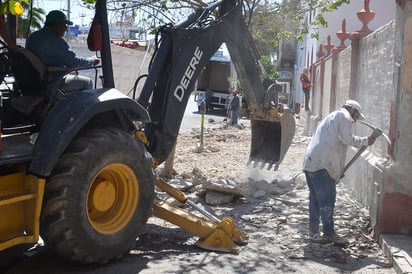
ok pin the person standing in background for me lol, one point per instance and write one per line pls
(234, 107)
(306, 85)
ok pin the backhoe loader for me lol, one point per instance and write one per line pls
(79, 169)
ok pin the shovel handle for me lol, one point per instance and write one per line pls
(356, 156)
(375, 134)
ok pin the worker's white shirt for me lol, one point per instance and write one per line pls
(327, 149)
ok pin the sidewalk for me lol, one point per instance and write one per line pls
(398, 248)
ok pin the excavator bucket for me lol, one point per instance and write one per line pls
(271, 140)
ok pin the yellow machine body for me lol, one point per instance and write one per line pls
(20, 205)
(214, 234)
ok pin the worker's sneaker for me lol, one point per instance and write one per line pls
(316, 238)
(314, 235)
(334, 238)
(313, 230)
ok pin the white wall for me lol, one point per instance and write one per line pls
(128, 65)
(385, 11)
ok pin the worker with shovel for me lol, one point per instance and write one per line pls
(323, 165)
(234, 108)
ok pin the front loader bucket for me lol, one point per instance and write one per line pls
(271, 140)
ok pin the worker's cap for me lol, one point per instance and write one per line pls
(57, 17)
(355, 105)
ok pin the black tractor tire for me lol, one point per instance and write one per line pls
(99, 197)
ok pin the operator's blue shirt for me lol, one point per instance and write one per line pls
(53, 50)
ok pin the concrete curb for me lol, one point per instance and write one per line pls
(398, 248)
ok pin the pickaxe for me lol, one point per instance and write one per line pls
(383, 134)
(375, 134)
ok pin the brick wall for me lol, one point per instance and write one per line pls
(377, 80)
(343, 77)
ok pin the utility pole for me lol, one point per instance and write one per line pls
(68, 10)
(68, 18)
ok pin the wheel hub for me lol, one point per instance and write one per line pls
(104, 196)
(112, 198)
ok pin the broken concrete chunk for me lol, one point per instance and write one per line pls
(198, 177)
(259, 194)
(222, 185)
(247, 217)
(181, 184)
(218, 198)
(285, 185)
(282, 219)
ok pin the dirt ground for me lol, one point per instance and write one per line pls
(273, 214)
(226, 152)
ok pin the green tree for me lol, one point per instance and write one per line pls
(269, 20)
(269, 23)
(271, 71)
(33, 16)
(319, 8)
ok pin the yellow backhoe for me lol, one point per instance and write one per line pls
(78, 169)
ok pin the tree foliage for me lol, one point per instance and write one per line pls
(322, 7)
(14, 7)
(269, 21)
(271, 71)
(32, 16)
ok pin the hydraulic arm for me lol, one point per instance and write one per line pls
(182, 52)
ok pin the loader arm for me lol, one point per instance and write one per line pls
(214, 234)
(182, 52)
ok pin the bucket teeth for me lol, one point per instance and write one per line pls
(271, 139)
(256, 163)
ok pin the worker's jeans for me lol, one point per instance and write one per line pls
(306, 91)
(322, 197)
(234, 118)
(73, 83)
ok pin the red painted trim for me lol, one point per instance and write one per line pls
(395, 215)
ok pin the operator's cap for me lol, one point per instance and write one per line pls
(355, 105)
(57, 17)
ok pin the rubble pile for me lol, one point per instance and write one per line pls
(276, 213)
(272, 207)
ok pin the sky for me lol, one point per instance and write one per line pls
(79, 16)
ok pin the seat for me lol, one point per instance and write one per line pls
(32, 86)
(29, 72)
(30, 81)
